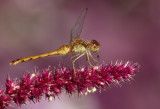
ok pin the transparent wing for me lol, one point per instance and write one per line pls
(77, 29)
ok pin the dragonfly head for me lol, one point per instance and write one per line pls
(94, 45)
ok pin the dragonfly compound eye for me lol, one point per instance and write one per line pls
(94, 45)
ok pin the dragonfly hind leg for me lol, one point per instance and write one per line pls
(75, 56)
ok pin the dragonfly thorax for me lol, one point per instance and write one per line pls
(79, 48)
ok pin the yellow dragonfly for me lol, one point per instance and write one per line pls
(76, 44)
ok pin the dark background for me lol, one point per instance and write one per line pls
(126, 30)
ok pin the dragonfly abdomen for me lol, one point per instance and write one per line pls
(63, 50)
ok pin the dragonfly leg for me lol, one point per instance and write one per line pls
(75, 56)
(92, 57)
(89, 60)
(80, 55)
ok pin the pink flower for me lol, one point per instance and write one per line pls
(51, 83)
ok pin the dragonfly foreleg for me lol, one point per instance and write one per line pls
(92, 57)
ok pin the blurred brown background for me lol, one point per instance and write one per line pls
(126, 30)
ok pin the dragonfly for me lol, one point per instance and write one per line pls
(76, 45)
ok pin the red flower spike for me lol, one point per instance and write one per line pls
(87, 80)
(5, 99)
